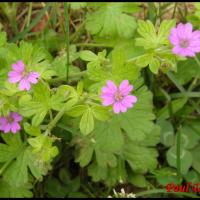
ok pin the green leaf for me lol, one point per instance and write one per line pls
(88, 55)
(85, 154)
(166, 175)
(130, 7)
(10, 191)
(101, 113)
(189, 139)
(186, 159)
(108, 136)
(153, 138)
(54, 188)
(17, 173)
(138, 180)
(11, 149)
(138, 163)
(122, 70)
(137, 121)
(176, 105)
(59, 63)
(150, 38)
(164, 30)
(96, 73)
(196, 158)
(147, 31)
(144, 60)
(110, 21)
(104, 158)
(65, 96)
(80, 87)
(31, 130)
(38, 106)
(186, 70)
(42, 144)
(192, 176)
(118, 58)
(167, 132)
(77, 111)
(87, 122)
(154, 65)
(97, 173)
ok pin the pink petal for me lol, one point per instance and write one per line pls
(129, 100)
(188, 29)
(183, 51)
(107, 90)
(24, 84)
(123, 108)
(173, 37)
(116, 107)
(125, 88)
(196, 34)
(16, 116)
(3, 120)
(14, 77)
(195, 47)
(6, 128)
(15, 127)
(184, 30)
(111, 86)
(18, 67)
(33, 77)
(108, 101)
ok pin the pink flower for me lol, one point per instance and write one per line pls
(19, 74)
(185, 41)
(118, 97)
(10, 123)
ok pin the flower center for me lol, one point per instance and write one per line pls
(184, 43)
(24, 74)
(10, 119)
(118, 96)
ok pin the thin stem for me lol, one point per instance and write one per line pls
(29, 14)
(176, 83)
(51, 115)
(193, 84)
(151, 11)
(174, 11)
(35, 21)
(188, 94)
(53, 123)
(59, 115)
(77, 32)
(133, 59)
(178, 154)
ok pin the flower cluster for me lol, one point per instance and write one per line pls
(10, 123)
(119, 97)
(185, 41)
(19, 74)
(122, 194)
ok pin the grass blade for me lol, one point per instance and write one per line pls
(34, 22)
